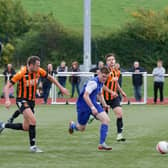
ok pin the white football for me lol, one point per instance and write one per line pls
(162, 147)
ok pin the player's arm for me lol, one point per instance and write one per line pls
(102, 101)
(62, 89)
(105, 88)
(91, 86)
(89, 103)
(121, 91)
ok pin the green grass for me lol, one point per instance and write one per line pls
(106, 15)
(144, 127)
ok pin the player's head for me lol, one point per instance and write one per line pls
(33, 63)
(110, 60)
(103, 74)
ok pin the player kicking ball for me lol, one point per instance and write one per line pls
(87, 105)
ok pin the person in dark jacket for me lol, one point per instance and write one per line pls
(96, 69)
(137, 80)
(62, 79)
(75, 79)
(8, 74)
(47, 83)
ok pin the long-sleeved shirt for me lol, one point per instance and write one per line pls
(158, 74)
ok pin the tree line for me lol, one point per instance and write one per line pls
(144, 39)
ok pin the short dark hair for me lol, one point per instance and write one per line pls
(160, 61)
(104, 70)
(32, 60)
(109, 55)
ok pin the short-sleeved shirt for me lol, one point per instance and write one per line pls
(27, 83)
(93, 87)
(111, 83)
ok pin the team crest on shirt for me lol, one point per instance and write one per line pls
(31, 82)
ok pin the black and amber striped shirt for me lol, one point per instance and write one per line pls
(111, 83)
(27, 83)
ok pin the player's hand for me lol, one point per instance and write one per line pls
(114, 94)
(7, 103)
(94, 111)
(65, 91)
(106, 108)
(115, 79)
(124, 94)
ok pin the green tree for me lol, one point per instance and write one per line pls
(14, 18)
(7, 54)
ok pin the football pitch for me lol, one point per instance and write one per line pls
(145, 125)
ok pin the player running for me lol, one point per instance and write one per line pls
(87, 105)
(114, 100)
(26, 80)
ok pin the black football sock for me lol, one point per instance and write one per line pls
(32, 135)
(15, 114)
(119, 125)
(16, 126)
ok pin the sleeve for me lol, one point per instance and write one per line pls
(91, 86)
(43, 73)
(17, 77)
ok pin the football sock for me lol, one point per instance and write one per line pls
(15, 114)
(107, 110)
(119, 125)
(32, 134)
(16, 126)
(103, 133)
(73, 126)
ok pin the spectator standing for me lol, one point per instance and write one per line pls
(8, 74)
(137, 80)
(47, 83)
(158, 74)
(75, 79)
(62, 79)
(96, 69)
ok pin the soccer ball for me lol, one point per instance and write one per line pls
(162, 147)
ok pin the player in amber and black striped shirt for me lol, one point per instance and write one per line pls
(113, 99)
(26, 80)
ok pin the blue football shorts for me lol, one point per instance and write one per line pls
(83, 113)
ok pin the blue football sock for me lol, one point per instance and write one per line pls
(73, 126)
(103, 133)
